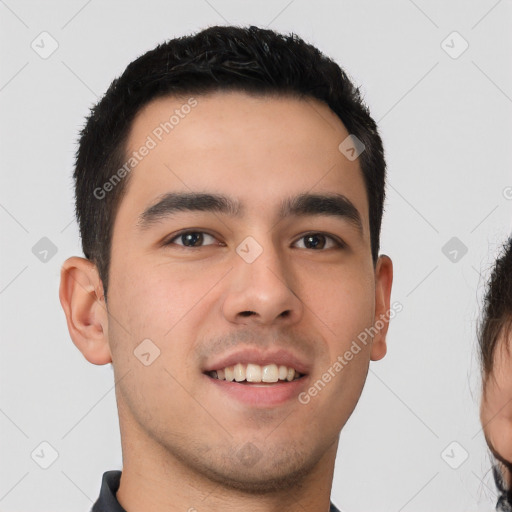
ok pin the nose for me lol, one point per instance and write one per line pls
(261, 292)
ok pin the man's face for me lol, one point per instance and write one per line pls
(294, 290)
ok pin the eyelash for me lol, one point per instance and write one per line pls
(339, 244)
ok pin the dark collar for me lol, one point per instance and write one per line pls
(107, 501)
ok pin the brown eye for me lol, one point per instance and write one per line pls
(318, 241)
(190, 239)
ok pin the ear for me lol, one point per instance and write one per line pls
(83, 301)
(383, 282)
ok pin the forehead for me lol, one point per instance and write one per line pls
(257, 149)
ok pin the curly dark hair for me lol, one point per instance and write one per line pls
(504, 503)
(247, 59)
(497, 310)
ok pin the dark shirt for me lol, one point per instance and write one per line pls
(107, 501)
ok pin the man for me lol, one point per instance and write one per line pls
(229, 192)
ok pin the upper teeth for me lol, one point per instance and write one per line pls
(255, 373)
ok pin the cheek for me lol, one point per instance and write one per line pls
(343, 302)
(154, 299)
(155, 304)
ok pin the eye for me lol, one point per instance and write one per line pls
(193, 239)
(190, 239)
(320, 241)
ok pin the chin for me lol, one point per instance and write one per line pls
(251, 471)
(261, 478)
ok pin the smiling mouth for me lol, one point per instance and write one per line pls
(256, 374)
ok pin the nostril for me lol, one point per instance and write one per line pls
(247, 313)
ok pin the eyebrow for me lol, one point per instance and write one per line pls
(334, 205)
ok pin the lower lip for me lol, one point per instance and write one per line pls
(266, 395)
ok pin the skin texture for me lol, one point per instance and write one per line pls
(496, 406)
(181, 437)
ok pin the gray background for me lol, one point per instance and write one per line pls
(446, 126)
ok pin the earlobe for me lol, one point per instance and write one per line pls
(82, 299)
(383, 283)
